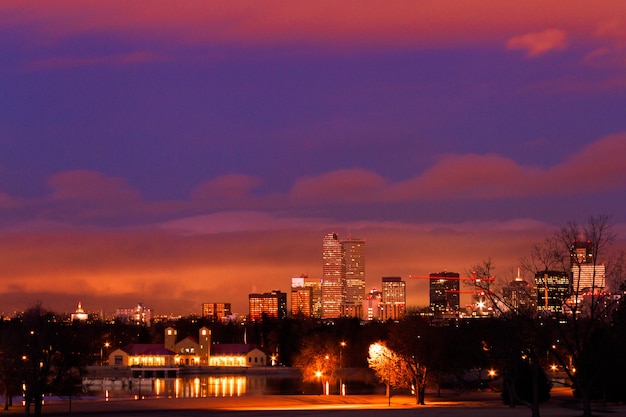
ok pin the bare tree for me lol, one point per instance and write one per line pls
(579, 328)
(391, 368)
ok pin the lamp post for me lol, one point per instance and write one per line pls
(492, 374)
(341, 389)
(106, 345)
(318, 374)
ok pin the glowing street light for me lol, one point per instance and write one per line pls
(106, 345)
(342, 390)
(492, 374)
(318, 374)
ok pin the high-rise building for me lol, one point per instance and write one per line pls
(270, 304)
(393, 301)
(588, 278)
(301, 298)
(444, 293)
(354, 253)
(519, 295)
(216, 311)
(333, 276)
(371, 305)
(315, 284)
(553, 289)
(581, 252)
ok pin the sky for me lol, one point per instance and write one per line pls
(180, 153)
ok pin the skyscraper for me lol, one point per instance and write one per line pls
(315, 284)
(444, 293)
(371, 305)
(553, 288)
(333, 276)
(587, 276)
(270, 304)
(301, 298)
(354, 253)
(519, 295)
(393, 298)
(216, 311)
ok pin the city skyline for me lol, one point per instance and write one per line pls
(178, 155)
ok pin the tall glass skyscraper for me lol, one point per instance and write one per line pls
(354, 252)
(333, 276)
(393, 298)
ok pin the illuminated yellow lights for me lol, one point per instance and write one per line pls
(492, 373)
(227, 361)
(553, 367)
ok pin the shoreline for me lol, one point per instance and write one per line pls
(457, 404)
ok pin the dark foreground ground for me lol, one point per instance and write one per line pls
(479, 404)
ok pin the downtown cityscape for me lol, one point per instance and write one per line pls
(410, 201)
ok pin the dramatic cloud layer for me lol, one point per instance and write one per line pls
(183, 154)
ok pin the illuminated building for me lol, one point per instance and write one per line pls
(350, 309)
(142, 354)
(444, 293)
(393, 300)
(519, 295)
(301, 298)
(229, 354)
(354, 254)
(79, 314)
(371, 305)
(189, 351)
(315, 284)
(216, 311)
(333, 276)
(581, 253)
(553, 289)
(588, 278)
(136, 315)
(270, 304)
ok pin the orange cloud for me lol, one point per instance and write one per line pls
(539, 43)
(226, 187)
(90, 186)
(403, 22)
(338, 186)
(597, 167)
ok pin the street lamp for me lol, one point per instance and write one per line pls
(492, 374)
(342, 390)
(106, 345)
(318, 374)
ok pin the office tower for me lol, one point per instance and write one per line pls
(333, 276)
(371, 305)
(393, 305)
(519, 295)
(444, 293)
(216, 311)
(301, 298)
(587, 277)
(553, 289)
(581, 252)
(354, 253)
(135, 315)
(315, 284)
(270, 304)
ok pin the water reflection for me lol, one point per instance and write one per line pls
(201, 386)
